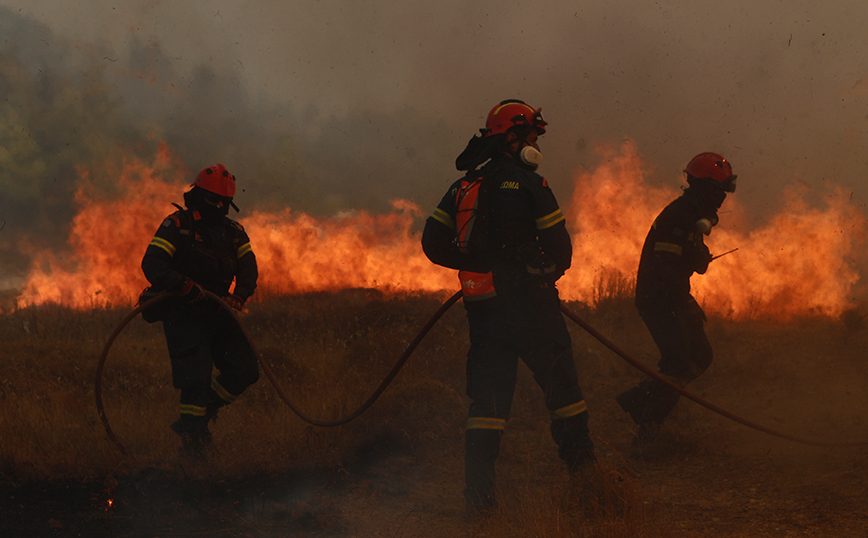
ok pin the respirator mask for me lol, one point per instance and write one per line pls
(531, 156)
(705, 225)
(212, 207)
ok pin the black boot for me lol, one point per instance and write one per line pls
(661, 401)
(195, 436)
(481, 449)
(634, 400)
(573, 438)
(214, 405)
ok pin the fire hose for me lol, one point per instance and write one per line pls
(265, 366)
(403, 359)
(711, 407)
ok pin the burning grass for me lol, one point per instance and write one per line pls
(806, 259)
(331, 350)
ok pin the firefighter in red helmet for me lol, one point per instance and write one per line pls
(501, 228)
(674, 250)
(196, 249)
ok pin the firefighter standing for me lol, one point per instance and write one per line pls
(195, 249)
(674, 249)
(501, 227)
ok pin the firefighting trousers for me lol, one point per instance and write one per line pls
(685, 353)
(529, 326)
(199, 339)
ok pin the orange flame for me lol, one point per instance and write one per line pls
(297, 253)
(107, 241)
(609, 214)
(801, 262)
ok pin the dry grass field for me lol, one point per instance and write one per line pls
(396, 471)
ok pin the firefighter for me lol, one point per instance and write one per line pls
(196, 249)
(501, 228)
(674, 250)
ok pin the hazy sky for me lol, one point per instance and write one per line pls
(367, 101)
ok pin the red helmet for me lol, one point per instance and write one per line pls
(713, 167)
(511, 113)
(216, 179)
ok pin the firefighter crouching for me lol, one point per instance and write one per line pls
(674, 249)
(501, 227)
(195, 249)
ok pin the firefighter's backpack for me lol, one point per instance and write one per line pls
(472, 202)
(472, 214)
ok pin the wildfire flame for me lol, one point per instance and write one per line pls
(297, 253)
(107, 240)
(801, 262)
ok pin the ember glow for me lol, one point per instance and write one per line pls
(800, 263)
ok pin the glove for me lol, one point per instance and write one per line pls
(234, 301)
(698, 257)
(191, 292)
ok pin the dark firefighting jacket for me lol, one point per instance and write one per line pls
(674, 249)
(211, 254)
(508, 232)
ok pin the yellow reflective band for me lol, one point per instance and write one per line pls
(159, 242)
(570, 411)
(486, 423)
(223, 393)
(667, 247)
(443, 217)
(190, 409)
(550, 220)
(244, 249)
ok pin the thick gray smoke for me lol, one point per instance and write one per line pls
(329, 106)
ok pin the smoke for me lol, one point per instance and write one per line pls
(72, 110)
(331, 106)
